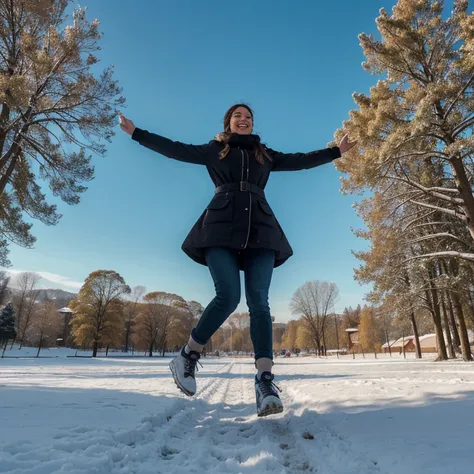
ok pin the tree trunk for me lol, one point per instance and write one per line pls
(95, 346)
(464, 187)
(388, 342)
(127, 335)
(465, 347)
(463, 335)
(39, 345)
(449, 339)
(452, 320)
(403, 345)
(437, 322)
(471, 308)
(5, 347)
(324, 344)
(150, 350)
(444, 268)
(317, 347)
(417, 337)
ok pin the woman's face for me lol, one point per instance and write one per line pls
(241, 121)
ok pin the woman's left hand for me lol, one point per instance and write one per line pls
(345, 144)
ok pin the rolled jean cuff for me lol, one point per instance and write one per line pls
(262, 354)
(197, 338)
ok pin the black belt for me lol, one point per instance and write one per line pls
(242, 186)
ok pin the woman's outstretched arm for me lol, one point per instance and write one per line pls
(196, 154)
(304, 161)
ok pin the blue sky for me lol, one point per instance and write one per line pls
(181, 65)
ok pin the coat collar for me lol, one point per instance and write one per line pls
(236, 140)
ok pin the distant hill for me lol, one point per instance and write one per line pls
(61, 297)
(56, 294)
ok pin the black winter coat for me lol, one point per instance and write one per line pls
(238, 215)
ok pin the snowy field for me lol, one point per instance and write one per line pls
(125, 416)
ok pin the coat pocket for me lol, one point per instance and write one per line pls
(218, 210)
(265, 208)
(265, 215)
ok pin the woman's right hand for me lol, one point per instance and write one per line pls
(126, 125)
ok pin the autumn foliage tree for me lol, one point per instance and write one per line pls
(55, 110)
(289, 338)
(98, 317)
(161, 317)
(367, 331)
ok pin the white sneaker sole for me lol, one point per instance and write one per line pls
(178, 383)
(272, 408)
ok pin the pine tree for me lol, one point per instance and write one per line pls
(49, 95)
(7, 324)
(415, 147)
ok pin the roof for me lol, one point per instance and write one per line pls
(402, 341)
(64, 310)
(385, 346)
(352, 330)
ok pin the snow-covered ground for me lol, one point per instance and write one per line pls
(118, 415)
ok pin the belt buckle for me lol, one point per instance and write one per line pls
(244, 186)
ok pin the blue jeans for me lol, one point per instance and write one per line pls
(223, 264)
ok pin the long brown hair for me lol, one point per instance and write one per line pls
(259, 151)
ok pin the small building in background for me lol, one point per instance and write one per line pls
(408, 342)
(429, 343)
(387, 347)
(352, 337)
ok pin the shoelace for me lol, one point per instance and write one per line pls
(190, 366)
(268, 387)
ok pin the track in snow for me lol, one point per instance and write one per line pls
(215, 432)
(218, 431)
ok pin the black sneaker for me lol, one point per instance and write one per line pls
(266, 393)
(183, 368)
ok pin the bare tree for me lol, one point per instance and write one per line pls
(45, 325)
(313, 301)
(24, 302)
(131, 311)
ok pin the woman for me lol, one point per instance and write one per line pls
(237, 231)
